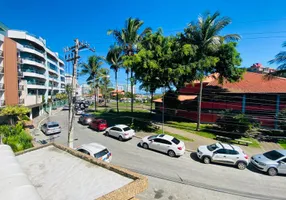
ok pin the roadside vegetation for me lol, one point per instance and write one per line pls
(282, 143)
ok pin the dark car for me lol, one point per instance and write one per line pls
(98, 125)
(85, 119)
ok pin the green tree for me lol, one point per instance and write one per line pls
(280, 60)
(128, 38)
(114, 59)
(105, 83)
(205, 34)
(15, 113)
(91, 68)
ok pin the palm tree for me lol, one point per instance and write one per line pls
(92, 69)
(280, 60)
(128, 38)
(114, 59)
(205, 34)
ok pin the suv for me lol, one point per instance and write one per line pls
(272, 162)
(223, 153)
(51, 128)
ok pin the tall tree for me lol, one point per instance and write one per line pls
(280, 60)
(91, 68)
(129, 38)
(114, 59)
(104, 83)
(205, 34)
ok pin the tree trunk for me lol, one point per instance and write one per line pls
(116, 92)
(152, 94)
(199, 106)
(95, 97)
(131, 85)
(127, 73)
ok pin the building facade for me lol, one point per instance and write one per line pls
(40, 71)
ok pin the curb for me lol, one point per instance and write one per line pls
(189, 150)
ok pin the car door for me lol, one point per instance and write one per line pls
(165, 145)
(282, 166)
(113, 131)
(231, 156)
(219, 156)
(156, 144)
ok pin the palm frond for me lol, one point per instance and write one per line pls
(231, 37)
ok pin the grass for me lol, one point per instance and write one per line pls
(254, 143)
(282, 143)
(180, 137)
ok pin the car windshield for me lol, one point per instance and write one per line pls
(127, 129)
(273, 155)
(212, 147)
(53, 125)
(101, 153)
(152, 137)
(175, 140)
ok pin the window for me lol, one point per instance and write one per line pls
(113, 128)
(232, 152)
(284, 160)
(158, 140)
(45, 125)
(175, 140)
(152, 137)
(212, 147)
(166, 142)
(221, 151)
(273, 155)
(162, 135)
(126, 129)
(84, 151)
(53, 125)
(101, 153)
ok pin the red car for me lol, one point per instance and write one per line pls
(98, 124)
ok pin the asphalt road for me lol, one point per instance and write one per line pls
(179, 178)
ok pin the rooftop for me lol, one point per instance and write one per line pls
(58, 172)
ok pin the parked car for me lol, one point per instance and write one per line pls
(50, 128)
(79, 112)
(66, 107)
(85, 119)
(164, 143)
(271, 162)
(121, 131)
(98, 124)
(96, 150)
(223, 153)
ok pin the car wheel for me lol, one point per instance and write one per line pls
(120, 138)
(107, 133)
(206, 160)
(145, 146)
(241, 165)
(171, 153)
(272, 171)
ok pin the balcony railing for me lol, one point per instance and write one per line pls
(31, 47)
(21, 101)
(33, 71)
(35, 59)
(1, 86)
(21, 87)
(35, 83)
(2, 103)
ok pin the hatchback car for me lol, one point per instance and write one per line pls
(271, 162)
(98, 125)
(223, 153)
(50, 128)
(96, 150)
(164, 143)
(85, 119)
(122, 132)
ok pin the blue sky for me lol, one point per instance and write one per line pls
(262, 24)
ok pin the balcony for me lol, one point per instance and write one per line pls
(33, 50)
(34, 63)
(1, 86)
(2, 103)
(21, 101)
(35, 60)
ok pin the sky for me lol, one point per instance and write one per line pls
(262, 24)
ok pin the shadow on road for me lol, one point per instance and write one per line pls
(194, 156)
(251, 168)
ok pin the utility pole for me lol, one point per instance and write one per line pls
(73, 57)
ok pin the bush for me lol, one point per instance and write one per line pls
(16, 137)
(236, 123)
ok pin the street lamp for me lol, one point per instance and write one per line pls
(163, 104)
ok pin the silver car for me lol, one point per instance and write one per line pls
(51, 128)
(271, 162)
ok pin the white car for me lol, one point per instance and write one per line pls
(223, 153)
(96, 150)
(121, 131)
(79, 112)
(164, 143)
(51, 128)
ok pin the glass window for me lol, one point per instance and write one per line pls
(101, 153)
(232, 152)
(221, 151)
(126, 129)
(273, 155)
(84, 151)
(166, 142)
(212, 147)
(53, 125)
(152, 137)
(113, 128)
(157, 140)
(175, 140)
(284, 160)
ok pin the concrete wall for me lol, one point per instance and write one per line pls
(10, 72)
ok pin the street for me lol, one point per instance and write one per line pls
(178, 178)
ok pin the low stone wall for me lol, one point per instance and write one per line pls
(127, 192)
